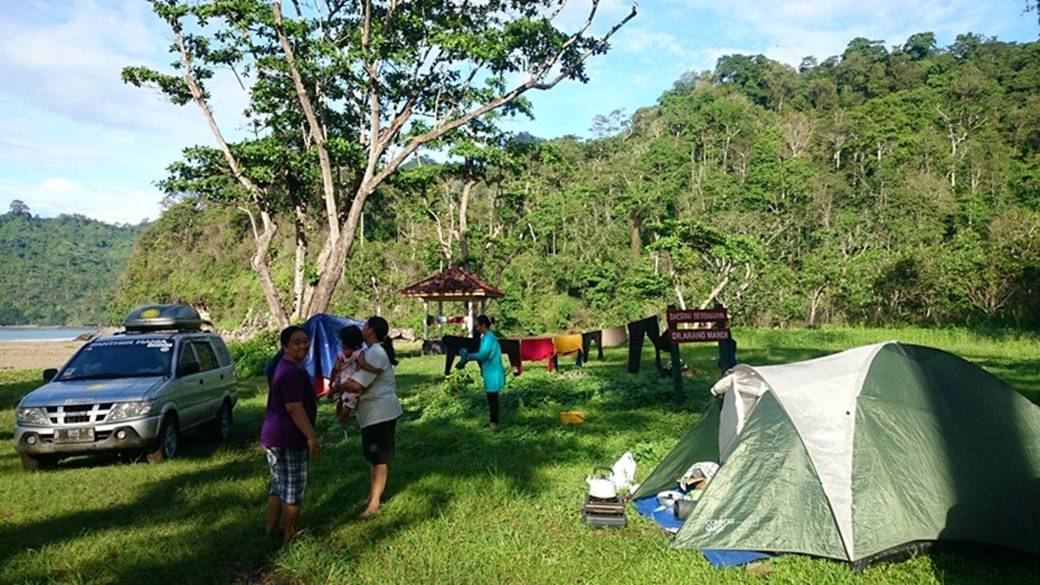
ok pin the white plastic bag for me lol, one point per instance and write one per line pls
(624, 472)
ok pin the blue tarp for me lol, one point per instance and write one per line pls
(733, 558)
(665, 518)
(323, 331)
(663, 515)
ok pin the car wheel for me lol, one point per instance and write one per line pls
(223, 422)
(169, 440)
(31, 463)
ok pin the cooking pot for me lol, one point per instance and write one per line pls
(601, 483)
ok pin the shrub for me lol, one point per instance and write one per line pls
(251, 355)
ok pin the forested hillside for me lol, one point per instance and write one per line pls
(59, 271)
(884, 185)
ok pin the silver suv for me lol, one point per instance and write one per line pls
(133, 392)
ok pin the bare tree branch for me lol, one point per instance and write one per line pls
(317, 132)
(263, 237)
(532, 83)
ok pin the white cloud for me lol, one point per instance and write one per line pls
(608, 13)
(73, 137)
(57, 195)
(645, 41)
(69, 63)
(787, 30)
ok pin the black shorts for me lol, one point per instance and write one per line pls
(377, 442)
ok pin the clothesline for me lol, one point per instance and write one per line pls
(550, 347)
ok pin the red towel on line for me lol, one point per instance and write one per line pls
(536, 349)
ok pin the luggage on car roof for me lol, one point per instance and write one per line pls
(163, 317)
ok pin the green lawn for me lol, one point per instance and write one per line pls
(466, 505)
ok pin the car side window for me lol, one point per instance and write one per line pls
(207, 359)
(187, 356)
(222, 353)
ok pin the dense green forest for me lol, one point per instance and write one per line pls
(62, 270)
(888, 184)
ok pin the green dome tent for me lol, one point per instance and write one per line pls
(852, 455)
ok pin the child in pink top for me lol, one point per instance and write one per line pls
(348, 362)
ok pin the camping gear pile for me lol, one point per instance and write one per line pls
(855, 456)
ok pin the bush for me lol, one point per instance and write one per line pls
(251, 355)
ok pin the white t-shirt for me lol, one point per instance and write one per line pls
(378, 403)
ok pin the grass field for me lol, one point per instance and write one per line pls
(466, 505)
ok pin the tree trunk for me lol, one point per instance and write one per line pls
(635, 237)
(814, 303)
(679, 297)
(263, 271)
(331, 269)
(717, 289)
(300, 261)
(467, 188)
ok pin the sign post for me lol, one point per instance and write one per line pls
(677, 336)
(676, 360)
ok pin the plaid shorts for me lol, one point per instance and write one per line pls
(288, 473)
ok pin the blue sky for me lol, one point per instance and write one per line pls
(74, 139)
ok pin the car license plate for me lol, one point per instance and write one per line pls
(84, 435)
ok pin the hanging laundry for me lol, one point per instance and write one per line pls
(452, 344)
(536, 349)
(615, 336)
(511, 347)
(651, 328)
(727, 354)
(569, 344)
(587, 340)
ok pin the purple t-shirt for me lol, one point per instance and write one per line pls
(289, 384)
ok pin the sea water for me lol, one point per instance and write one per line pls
(43, 333)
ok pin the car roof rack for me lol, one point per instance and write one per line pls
(174, 317)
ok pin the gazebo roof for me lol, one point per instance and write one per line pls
(454, 284)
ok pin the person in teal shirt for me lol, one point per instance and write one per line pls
(489, 356)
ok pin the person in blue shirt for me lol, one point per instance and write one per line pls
(489, 356)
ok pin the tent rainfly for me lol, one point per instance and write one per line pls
(855, 455)
(454, 284)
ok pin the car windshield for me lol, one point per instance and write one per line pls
(120, 358)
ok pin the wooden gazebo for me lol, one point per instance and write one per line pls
(453, 285)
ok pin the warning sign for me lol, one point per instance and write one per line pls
(695, 335)
(697, 315)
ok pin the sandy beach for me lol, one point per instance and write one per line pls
(35, 355)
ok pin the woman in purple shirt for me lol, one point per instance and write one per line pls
(288, 433)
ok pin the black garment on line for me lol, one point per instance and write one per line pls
(511, 347)
(651, 328)
(586, 342)
(493, 406)
(727, 354)
(452, 345)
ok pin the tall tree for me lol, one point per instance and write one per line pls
(365, 83)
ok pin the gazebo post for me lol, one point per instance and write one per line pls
(426, 321)
(440, 313)
(469, 319)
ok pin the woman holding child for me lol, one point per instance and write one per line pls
(377, 407)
